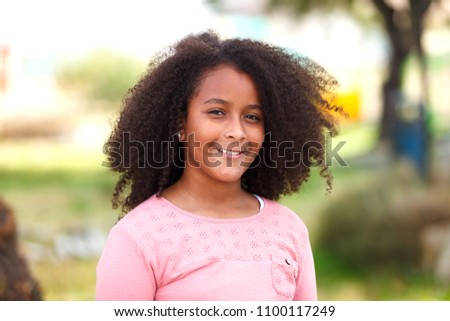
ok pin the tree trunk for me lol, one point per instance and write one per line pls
(408, 138)
(401, 42)
(391, 94)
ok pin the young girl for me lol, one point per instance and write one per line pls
(210, 137)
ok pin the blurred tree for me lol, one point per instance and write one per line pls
(403, 21)
(101, 75)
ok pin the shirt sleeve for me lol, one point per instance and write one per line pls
(306, 283)
(123, 272)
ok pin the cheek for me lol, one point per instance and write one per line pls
(258, 137)
(198, 133)
(256, 140)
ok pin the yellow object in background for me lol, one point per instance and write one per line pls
(350, 100)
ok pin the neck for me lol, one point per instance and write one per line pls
(210, 198)
(210, 191)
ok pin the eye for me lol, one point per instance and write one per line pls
(216, 112)
(253, 117)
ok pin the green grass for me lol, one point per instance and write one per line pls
(68, 280)
(55, 189)
(58, 199)
(338, 282)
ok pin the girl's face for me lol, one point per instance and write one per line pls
(224, 126)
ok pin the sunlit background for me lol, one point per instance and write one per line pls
(382, 234)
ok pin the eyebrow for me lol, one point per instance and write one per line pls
(224, 102)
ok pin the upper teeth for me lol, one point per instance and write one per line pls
(230, 152)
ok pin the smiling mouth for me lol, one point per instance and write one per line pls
(233, 151)
(230, 153)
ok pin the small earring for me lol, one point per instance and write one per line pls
(178, 135)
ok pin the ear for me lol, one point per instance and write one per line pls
(182, 132)
(181, 135)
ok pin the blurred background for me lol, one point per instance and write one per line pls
(383, 233)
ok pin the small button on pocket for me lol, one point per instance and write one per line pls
(284, 273)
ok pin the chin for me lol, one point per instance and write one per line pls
(228, 175)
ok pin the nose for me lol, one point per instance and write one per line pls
(235, 129)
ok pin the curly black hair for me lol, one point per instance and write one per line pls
(296, 98)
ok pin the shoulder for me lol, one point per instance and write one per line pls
(144, 226)
(286, 215)
(143, 216)
(281, 209)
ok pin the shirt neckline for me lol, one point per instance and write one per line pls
(213, 219)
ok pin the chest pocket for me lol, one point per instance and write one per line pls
(284, 274)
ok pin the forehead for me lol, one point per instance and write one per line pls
(226, 80)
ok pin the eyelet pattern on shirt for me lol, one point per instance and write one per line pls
(175, 240)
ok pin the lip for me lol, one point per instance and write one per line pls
(234, 151)
(218, 151)
(231, 153)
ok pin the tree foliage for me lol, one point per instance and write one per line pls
(100, 75)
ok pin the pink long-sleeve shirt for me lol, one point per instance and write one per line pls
(160, 252)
